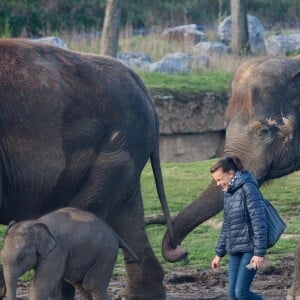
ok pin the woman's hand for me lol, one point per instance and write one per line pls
(215, 264)
(257, 261)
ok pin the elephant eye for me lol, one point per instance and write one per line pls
(264, 131)
(21, 258)
(269, 131)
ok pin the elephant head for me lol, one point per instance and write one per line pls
(263, 130)
(24, 242)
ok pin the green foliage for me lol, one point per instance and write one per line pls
(293, 53)
(170, 13)
(6, 33)
(27, 276)
(41, 17)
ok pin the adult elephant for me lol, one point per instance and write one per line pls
(263, 130)
(77, 130)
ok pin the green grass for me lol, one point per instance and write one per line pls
(183, 182)
(187, 82)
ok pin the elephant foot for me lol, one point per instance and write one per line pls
(145, 278)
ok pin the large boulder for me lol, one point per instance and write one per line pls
(135, 60)
(256, 33)
(211, 48)
(179, 62)
(283, 44)
(185, 33)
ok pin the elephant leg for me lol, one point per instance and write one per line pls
(45, 290)
(48, 280)
(97, 278)
(60, 291)
(294, 292)
(145, 277)
(112, 192)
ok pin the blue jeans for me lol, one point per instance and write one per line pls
(240, 278)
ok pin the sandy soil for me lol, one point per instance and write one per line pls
(184, 283)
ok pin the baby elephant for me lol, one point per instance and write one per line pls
(66, 244)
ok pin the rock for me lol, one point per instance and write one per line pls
(255, 29)
(52, 40)
(178, 63)
(189, 122)
(211, 48)
(135, 54)
(185, 33)
(283, 44)
(135, 60)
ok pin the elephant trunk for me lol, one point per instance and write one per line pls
(11, 287)
(208, 204)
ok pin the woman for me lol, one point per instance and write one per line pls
(244, 231)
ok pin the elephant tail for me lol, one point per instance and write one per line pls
(125, 247)
(156, 168)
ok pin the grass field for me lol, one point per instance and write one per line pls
(184, 181)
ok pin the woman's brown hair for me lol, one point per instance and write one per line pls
(227, 163)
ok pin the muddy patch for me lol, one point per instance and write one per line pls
(183, 283)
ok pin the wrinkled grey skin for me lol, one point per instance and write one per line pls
(77, 130)
(68, 244)
(263, 130)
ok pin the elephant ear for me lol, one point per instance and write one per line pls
(9, 226)
(43, 239)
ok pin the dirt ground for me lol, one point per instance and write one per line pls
(184, 283)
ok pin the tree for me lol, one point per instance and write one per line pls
(111, 27)
(240, 35)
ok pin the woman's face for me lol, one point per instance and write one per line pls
(223, 178)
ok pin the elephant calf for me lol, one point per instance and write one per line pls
(66, 244)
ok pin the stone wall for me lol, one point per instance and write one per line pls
(191, 125)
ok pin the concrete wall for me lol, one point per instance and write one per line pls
(192, 126)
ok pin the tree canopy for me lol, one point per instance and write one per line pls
(42, 17)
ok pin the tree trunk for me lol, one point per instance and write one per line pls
(240, 36)
(111, 28)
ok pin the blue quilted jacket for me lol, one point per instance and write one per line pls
(244, 228)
